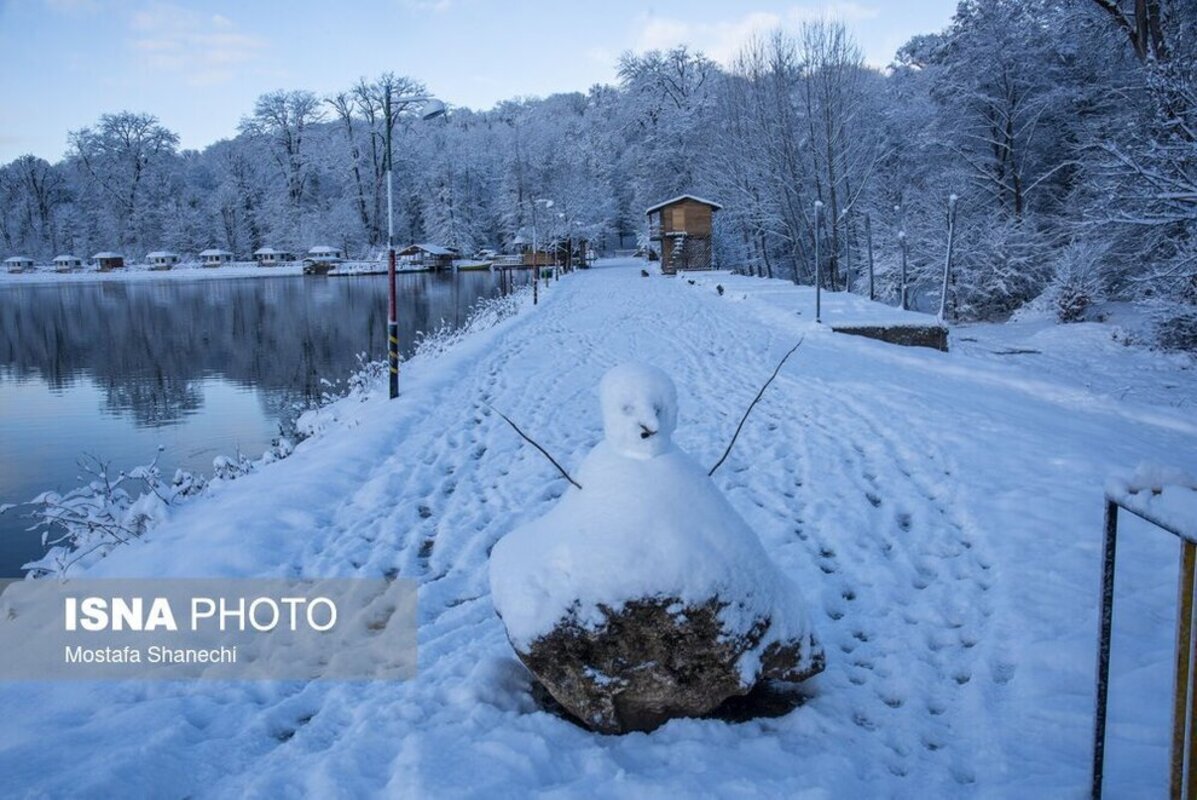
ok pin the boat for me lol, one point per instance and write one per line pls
(316, 267)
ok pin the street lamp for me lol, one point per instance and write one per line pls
(432, 108)
(535, 254)
(818, 266)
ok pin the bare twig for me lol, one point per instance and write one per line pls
(752, 405)
(533, 442)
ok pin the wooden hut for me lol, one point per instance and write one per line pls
(18, 263)
(215, 257)
(323, 252)
(682, 225)
(107, 260)
(67, 263)
(269, 257)
(162, 259)
(427, 256)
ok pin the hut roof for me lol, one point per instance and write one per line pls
(323, 249)
(430, 249)
(270, 251)
(679, 199)
(215, 251)
(17, 259)
(162, 254)
(107, 254)
(66, 257)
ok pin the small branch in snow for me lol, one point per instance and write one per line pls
(534, 443)
(752, 405)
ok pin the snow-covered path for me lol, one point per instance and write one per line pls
(941, 512)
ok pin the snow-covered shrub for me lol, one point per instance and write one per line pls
(486, 313)
(998, 268)
(228, 468)
(1077, 283)
(1176, 327)
(103, 513)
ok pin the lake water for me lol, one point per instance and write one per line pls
(203, 368)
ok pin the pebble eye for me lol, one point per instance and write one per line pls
(627, 409)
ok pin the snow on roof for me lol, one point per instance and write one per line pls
(17, 259)
(216, 251)
(270, 251)
(107, 254)
(322, 249)
(681, 197)
(162, 254)
(66, 258)
(431, 249)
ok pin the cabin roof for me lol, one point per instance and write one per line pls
(214, 251)
(323, 248)
(679, 199)
(67, 257)
(270, 251)
(162, 254)
(430, 249)
(107, 254)
(17, 259)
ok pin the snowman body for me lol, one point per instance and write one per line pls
(645, 583)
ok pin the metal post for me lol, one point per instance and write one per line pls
(1105, 623)
(947, 264)
(869, 238)
(535, 268)
(818, 267)
(392, 300)
(1182, 692)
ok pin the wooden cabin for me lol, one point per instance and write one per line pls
(107, 260)
(215, 257)
(682, 225)
(269, 257)
(427, 256)
(18, 263)
(162, 259)
(67, 263)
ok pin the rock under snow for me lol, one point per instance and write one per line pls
(643, 595)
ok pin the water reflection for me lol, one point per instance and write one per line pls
(203, 367)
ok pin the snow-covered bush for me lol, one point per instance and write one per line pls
(1077, 283)
(999, 268)
(486, 313)
(1176, 327)
(104, 513)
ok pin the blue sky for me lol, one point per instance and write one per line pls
(199, 65)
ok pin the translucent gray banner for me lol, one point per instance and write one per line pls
(219, 629)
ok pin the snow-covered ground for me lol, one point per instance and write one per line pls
(941, 513)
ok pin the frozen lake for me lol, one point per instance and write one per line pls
(203, 368)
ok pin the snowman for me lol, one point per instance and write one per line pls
(642, 595)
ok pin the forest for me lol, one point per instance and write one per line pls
(1058, 138)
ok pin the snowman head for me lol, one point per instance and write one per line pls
(639, 410)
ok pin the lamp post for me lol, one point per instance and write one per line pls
(535, 253)
(818, 266)
(432, 108)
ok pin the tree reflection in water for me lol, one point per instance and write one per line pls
(179, 360)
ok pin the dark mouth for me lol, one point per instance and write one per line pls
(645, 432)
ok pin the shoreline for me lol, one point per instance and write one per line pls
(134, 274)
